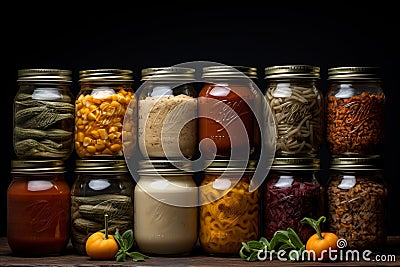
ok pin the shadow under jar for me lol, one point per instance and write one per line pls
(167, 109)
(296, 103)
(38, 208)
(357, 202)
(355, 112)
(101, 187)
(43, 114)
(229, 211)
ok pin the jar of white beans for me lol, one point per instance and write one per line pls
(296, 103)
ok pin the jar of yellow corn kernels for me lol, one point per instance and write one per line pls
(100, 107)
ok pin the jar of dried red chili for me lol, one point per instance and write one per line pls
(227, 105)
(38, 208)
(292, 191)
(355, 111)
(357, 201)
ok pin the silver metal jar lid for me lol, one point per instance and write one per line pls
(292, 71)
(106, 75)
(303, 163)
(356, 163)
(168, 74)
(44, 75)
(100, 166)
(215, 72)
(164, 166)
(354, 73)
(230, 166)
(37, 166)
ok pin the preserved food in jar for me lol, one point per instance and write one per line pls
(166, 210)
(167, 112)
(357, 202)
(227, 103)
(43, 114)
(292, 191)
(100, 108)
(38, 208)
(229, 212)
(355, 112)
(101, 187)
(297, 107)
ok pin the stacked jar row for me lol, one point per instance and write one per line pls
(169, 213)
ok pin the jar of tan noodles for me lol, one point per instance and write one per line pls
(297, 107)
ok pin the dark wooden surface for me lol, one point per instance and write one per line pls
(196, 259)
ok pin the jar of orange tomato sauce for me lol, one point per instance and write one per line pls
(38, 208)
(227, 105)
(229, 208)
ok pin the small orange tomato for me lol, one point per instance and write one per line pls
(319, 246)
(100, 247)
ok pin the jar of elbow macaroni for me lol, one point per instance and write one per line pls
(229, 208)
(100, 108)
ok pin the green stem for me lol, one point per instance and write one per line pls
(106, 226)
(315, 224)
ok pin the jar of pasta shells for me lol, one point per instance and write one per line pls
(292, 191)
(355, 112)
(101, 186)
(357, 202)
(229, 207)
(228, 104)
(167, 111)
(166, 208)
(296, 103)
(43, 114)
(100, 107)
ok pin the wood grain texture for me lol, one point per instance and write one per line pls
(197, 259)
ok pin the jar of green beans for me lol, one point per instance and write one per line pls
(296, 103)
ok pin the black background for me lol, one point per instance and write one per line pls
(71, 37)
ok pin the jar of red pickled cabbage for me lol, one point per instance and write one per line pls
(292, 191)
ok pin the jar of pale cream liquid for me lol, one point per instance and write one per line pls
(165, 208)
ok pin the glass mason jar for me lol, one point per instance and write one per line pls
(357, 202)
(100, 187)
(38, 208)
(227, 106)
(229, 211)
(297, 106)
(166, 212)
(167, 113)
(292, 191)
(355, 112)
(100, 107)
(43, 114)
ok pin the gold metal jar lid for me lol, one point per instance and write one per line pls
(354, 73)
(292, 72)
(164, 167)
(356, 163)
(44, 75)
(100, 166)
(37, 166)
(302, 163)
(168, 74)
(230, 166)
(215, 72)
(106, 75)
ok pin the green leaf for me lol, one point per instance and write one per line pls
(120, 256)
(127, 238)
(295, 238)
(286, 246)
(119, 239)
(264, 241)
(253, 256)
(241, 254)
(255, 245)
(137, 256)
(246, 247)
(280, 236)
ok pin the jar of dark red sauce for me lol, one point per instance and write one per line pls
(38, 208)
(226, 108)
